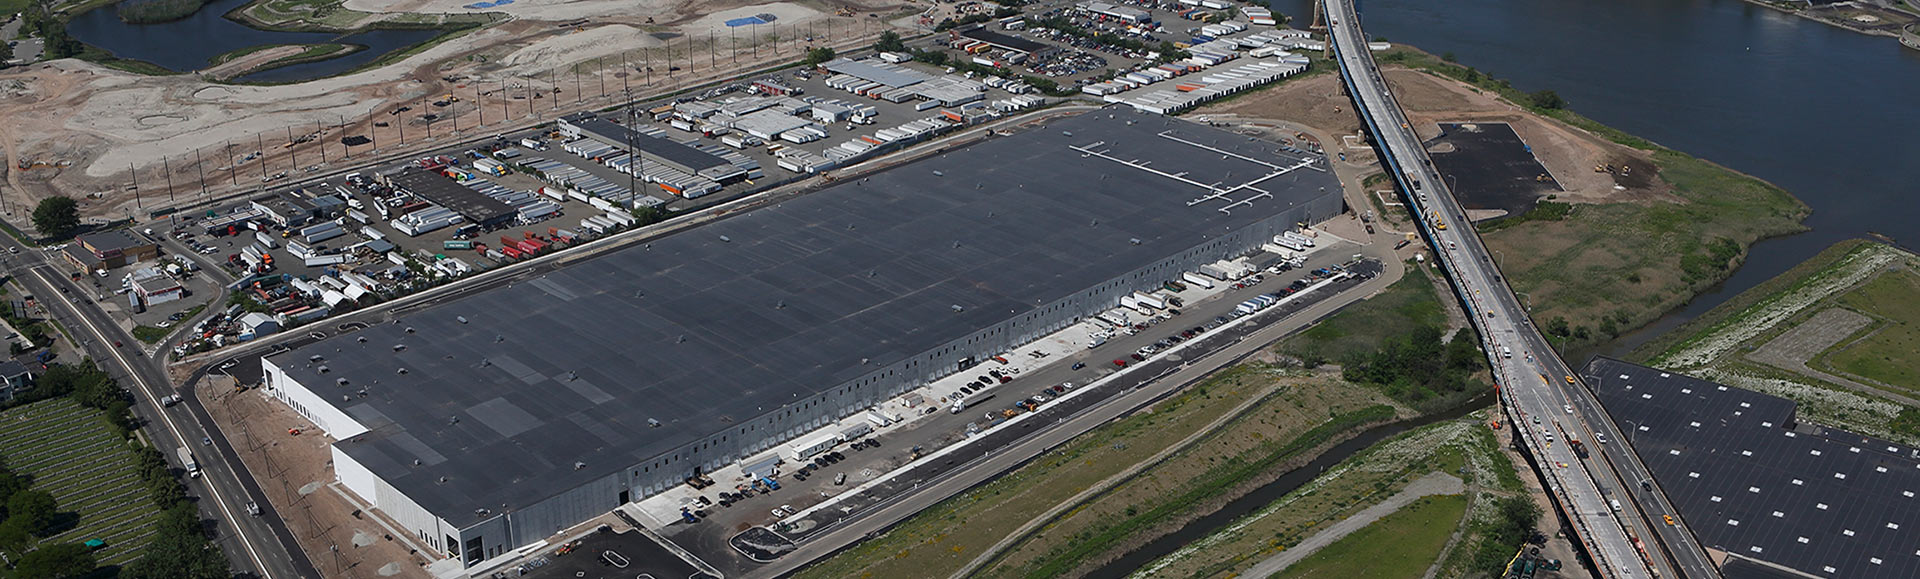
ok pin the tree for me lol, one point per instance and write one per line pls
(890, 42)
(179, 550)
(815, 56)
(56, 216)
(6, 53)
(33, 510)
(1547, 99)
(57, 560)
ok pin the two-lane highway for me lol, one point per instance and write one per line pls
(1549, 406)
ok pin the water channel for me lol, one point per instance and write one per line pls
(190, 44)
(1828, 114)
(1266, 494)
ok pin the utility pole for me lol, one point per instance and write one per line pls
(625, 73)
(600, 64)
(202, 169)
(373, 131)
(346, 150)
(167, 167)
(292, 157)
(232, 167)
(576, 84)
(134, 177)
(320, 134)
(260, 148)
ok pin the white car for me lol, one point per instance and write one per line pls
(1568, 408)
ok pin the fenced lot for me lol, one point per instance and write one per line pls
(73, 453)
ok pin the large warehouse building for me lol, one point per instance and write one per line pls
(496, 420)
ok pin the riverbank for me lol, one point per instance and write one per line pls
(1241, 410)
(1832, 334)
(262, 58)
(1451, 448)
(1860, 17)
(1618, 258)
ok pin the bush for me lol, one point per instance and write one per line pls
(1421, 369)
(156, 11)
(1547, 99)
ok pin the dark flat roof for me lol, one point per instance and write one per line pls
(1750, 481)
(440, 190)
(981, 33)
(704, 334)
(112, 239)
(660, 148)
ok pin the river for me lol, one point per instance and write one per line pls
(190, 44)
(1831, 115)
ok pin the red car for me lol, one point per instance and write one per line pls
(1120, 363)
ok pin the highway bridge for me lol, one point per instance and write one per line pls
(1615, 508)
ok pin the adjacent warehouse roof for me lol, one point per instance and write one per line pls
(674, 153)
(1751, 481)
(892, 75)
(439, 190)
(983, 34)
(505, 390)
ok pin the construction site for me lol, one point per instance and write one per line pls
(122, 142)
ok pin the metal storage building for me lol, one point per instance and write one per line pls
(492, 421)
(439, 190)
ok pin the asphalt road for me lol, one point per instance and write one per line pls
(1536, 383)
(258, 546)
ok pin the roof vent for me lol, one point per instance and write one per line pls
(402, 371)
(579, 465)
(399, 347)
(416, 462)
(1096, 223)
(362, 339)
(498, 339)
(323, 369)
(571, 376)
(315, 358)
(340, 381)
(939, 174)
(1064, 133)
(1135, 241)
(461, 319)
(452, 420)
(781, 305)
(725, 239)
(651, 423)
(363, 392)
(485, 363)
(957, 308)
(409, 329)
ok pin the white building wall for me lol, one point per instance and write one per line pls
(397, 506)
(335, 422)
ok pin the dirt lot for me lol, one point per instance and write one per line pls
(109, 125)
(296, 474)
(1569, 154)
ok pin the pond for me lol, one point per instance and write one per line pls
(190, 44)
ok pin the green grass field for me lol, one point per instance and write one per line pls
(73, 453)
(1399, 545)
(1405, 305)
(1890, 353)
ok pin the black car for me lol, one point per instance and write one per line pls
(966, 390)
(836, 456)
(1079, 365)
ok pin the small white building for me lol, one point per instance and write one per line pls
(154, 286)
